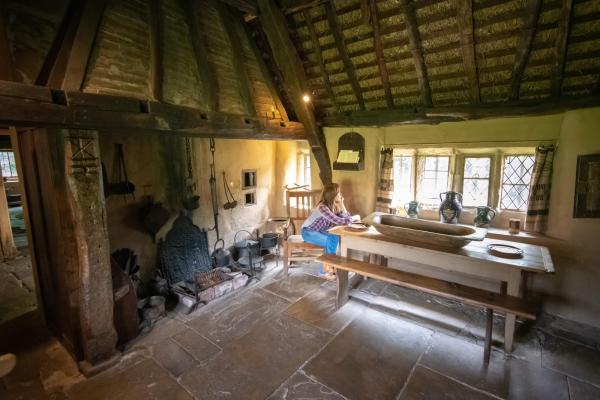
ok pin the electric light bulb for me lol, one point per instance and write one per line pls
(306, 98)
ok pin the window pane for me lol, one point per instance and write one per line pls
(8, 165)
(402, 179)
(475, 192)
(433, 179)
(477, 167)
(476, 182)
(516, 179)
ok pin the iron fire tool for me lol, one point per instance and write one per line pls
(213, 189)
(231, 202)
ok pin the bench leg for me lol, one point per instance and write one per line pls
(489, 325)
(286, 261)
(342, 288)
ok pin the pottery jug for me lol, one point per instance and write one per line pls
(412, 209)
(485, 215)
(451, 207)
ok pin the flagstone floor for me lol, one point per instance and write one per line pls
(281, 339)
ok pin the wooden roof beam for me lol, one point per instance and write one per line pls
(435, 115)
(530, 17)
(385, 80)
(33, 106)
(231, 23)
(343, 52)
(66, 63)
(560, 48)
(267, 75)
(156, 49)
(417, 51)
(274, 25)
(317, 47)
(207, 74)
(465, 23)
(7, 71)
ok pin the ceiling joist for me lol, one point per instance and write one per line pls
(385, 80)
(341, 47)
(322, 69)
(417, 51)
(530, 17)
(560, 48)
(7, 72)
(467, 42)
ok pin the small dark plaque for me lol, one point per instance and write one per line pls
(587, 187)
(351, 152)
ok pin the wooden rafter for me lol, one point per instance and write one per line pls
(266, 75)
(385, 80)
(318, 55)
(66, 64)
(560, 48)
(417, 51)
(530, 17)
(205, 70)
(156, 49)
(7, 72)
(231, 23)
(343, 52)
(290, 65)
(465, 23)
(32, 106)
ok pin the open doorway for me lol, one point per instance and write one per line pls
(17, 282)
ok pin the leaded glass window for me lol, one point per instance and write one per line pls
(516, 178)
(433, 179)
(9, 167)
(476, 181)
(402, 180)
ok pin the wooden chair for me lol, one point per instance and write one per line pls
(299, 205)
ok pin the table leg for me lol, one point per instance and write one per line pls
(513, 288)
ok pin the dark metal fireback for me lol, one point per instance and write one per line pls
(184, 251)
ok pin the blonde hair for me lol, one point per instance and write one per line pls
(328, 196)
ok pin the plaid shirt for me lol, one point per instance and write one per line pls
(322, 218)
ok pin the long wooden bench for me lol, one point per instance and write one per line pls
(490, 301)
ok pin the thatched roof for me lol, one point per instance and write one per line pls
(521, 50)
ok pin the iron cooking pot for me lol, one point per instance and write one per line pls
(243, 247)
(268, 240)
(220, 255)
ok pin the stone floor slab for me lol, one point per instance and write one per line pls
(295, 286)
(583, 391)
(425, 384)
(237, 316)
(318, 308)
(578, 361)
(255, 365)
(301, 387)
(173, 357)
(143, 381)
(200, 348)
(508, 378)
(432, 312)
(371, 358)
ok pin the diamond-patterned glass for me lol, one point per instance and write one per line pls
(516, 180)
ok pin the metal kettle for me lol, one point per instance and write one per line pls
(220, 256)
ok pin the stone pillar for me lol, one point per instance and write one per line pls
(90, 250)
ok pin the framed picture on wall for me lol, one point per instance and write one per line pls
(587, 187)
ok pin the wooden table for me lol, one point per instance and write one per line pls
(473, 260)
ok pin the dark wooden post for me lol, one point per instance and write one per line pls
(85, 202)
(288, 61)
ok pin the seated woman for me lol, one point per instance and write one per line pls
(329, 212)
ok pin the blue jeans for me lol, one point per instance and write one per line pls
(327, 240)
